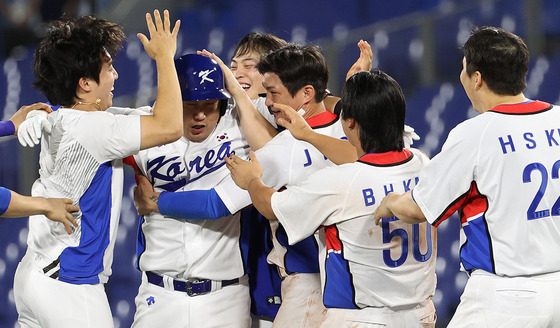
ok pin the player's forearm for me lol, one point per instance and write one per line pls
(256, 129)
(261, 196)
(25, 205)
(192, 205)
(166, 123)
(337, 150)
(404, 207)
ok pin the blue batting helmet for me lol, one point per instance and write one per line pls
(200, 78)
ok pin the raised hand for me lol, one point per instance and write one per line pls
(232, 85)
(364, 62)
(163, 40)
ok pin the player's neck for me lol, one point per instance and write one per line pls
(313, 109)
(492, 100)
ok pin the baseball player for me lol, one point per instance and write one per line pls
(370, 275)
(81, 160)
(193, 270)
(501, 174)
(288, 161)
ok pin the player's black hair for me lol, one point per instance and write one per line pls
(376, 102)
(501, 57)
(74, 48)
(262, 44)
(298, 66)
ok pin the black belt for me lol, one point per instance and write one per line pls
(193, 286)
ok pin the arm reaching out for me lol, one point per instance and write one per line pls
(256, 129)
(402, 206)
(337, 150)
(56, 209)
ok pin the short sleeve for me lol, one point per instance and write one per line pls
(108, 136)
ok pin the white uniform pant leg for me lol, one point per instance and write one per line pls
(423, 315)
(492, 301)
(44, 302)
(302, 302)
(261, 323)
(157, 306)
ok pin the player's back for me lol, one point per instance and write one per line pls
(519, 172)
(511, 207)
(361, 262)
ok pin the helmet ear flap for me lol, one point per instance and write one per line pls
(223, 105)
(200, 78)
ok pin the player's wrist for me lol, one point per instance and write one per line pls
(251, 181)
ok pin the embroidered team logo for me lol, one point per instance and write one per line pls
(150, 300)
(222, 137)
(203, 75)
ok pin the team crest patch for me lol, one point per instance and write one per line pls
(222, 137)
(150, 300)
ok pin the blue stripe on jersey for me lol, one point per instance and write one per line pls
(140, 243)
(301, 257)
(476, 252)
(5, 198)
(339, 292)
(82, 264)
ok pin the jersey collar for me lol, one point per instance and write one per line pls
(529, 107)
(320, 120)
(389, 158)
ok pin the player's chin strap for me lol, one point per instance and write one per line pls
(192, 286)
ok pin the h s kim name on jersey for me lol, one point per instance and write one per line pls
(528, 140)
(171, 173)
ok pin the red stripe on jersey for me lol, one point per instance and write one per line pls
(475, 203)
(331, 237)
(130, 161)
(390, 157)
(324, 118)
(522, 108)
(468, 205)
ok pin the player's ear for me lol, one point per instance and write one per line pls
(308, 93)
(351, 123)
(85, 83)
(478, 80)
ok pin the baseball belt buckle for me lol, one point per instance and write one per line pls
(197, 286)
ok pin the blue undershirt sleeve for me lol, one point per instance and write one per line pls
(5, 198)
(192, 205)
(7, 128)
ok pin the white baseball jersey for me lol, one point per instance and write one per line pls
(362, 264)
(500, 169)
(182, 248)
(287, 161)
(81, 160)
